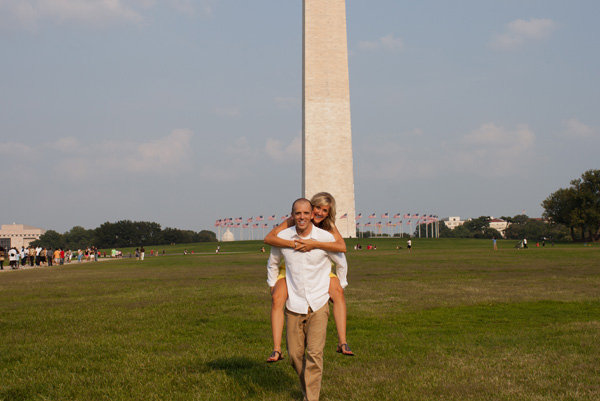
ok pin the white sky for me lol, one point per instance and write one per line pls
(183, 112)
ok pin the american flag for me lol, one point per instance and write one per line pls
(239, 220)
(259, 218)
(255, 225)
(407, 216)
(372, 216)
(265, 225)
(245, 225)
(359, 216)
(385, 215)
(344, 216)
(272, 217)
(217, 223)
(284, 217)
(397, 216)
(249, 220)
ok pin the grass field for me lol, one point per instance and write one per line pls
(452, 320)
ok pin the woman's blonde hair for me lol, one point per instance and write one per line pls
(325, 199)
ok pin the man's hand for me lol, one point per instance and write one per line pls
(304, 245)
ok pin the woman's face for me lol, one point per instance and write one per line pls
(320, 213)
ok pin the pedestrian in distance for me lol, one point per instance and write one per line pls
(2, 255)
(13, 257)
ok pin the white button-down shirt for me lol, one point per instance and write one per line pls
(307, 273)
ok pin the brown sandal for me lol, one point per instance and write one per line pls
(275, 357)
(344, 349)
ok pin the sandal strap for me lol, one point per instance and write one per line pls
(345, 349)
(273, 357)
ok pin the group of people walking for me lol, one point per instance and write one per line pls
(40, 256)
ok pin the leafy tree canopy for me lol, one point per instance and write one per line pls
(577, 207)
(124, 233)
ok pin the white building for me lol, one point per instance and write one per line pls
(227, 236)
(499, 225)
(453, 221)
(19, 234)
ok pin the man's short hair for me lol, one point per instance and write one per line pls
(301, 200)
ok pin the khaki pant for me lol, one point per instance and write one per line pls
(307, 333)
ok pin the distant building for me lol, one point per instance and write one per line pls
(453, 221)
(499, 225)
(19, 234)
(227, 236)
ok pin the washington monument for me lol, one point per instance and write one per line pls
(327, 163)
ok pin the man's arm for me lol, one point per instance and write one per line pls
(273, 238)
(341, 266)
(273, 266)
(338, 245)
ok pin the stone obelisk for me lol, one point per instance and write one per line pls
(327, 163)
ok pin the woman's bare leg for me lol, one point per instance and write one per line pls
(278, 298)
(336, 292)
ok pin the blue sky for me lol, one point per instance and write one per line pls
(183, 112)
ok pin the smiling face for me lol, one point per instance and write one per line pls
(324, 210)
(302, 213)
(320, 213)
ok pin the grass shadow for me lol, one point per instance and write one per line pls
(252, 376)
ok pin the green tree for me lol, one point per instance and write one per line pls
(577, 207)
(123, 233)
(50, 239)
(445, 232)
(559, 208)
(477, 226)
(207, 236)
(78, 238)
(474, 228)
(588, 199)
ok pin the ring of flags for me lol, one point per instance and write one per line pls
(258, 222)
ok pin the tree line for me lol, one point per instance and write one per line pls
(519, 227)
(577, 207)
(124, 233)
(571, 213)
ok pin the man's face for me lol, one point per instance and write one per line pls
(302, 214)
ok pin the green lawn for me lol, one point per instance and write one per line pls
(453, 320)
